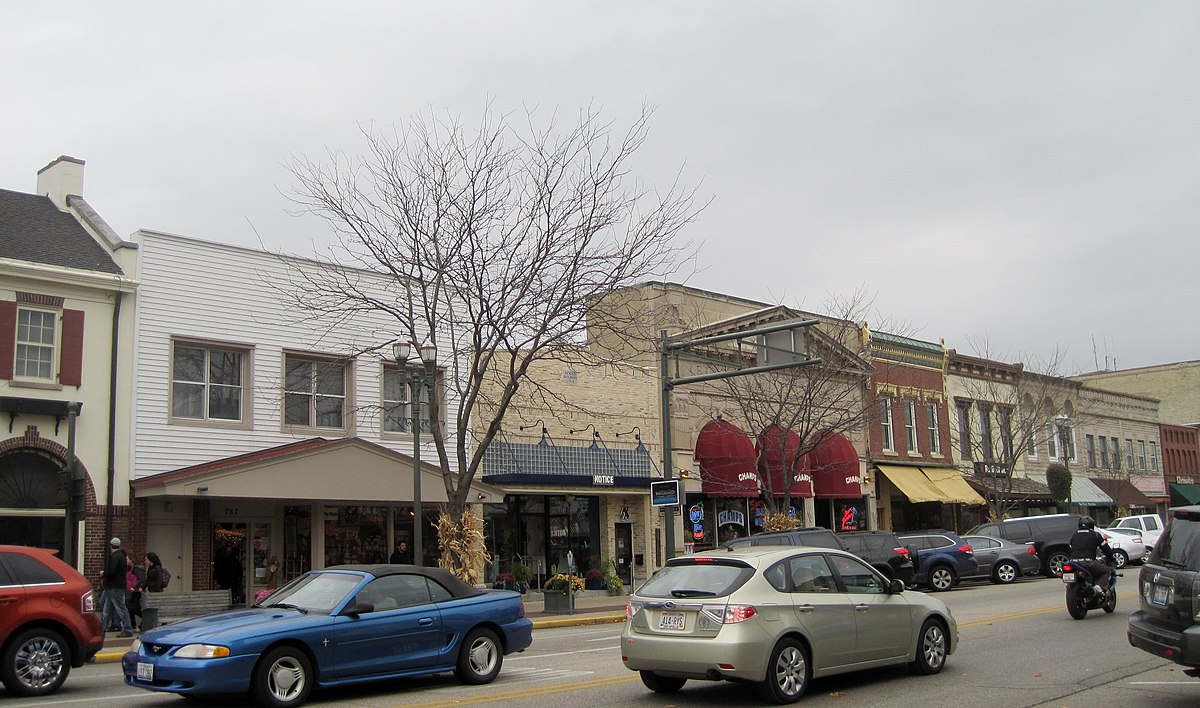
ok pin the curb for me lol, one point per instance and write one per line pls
(112, 657)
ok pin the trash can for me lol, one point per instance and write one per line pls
(149, 618)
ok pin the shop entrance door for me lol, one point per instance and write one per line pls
(243, 561)
(624, 564)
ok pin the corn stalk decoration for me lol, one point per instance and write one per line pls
(463, 550)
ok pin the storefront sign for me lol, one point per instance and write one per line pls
(731, 516)
(849, 518)
(603, 479)
(696, 516)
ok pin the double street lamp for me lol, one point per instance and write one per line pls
(417, 381)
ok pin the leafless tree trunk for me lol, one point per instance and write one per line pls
(494, 240)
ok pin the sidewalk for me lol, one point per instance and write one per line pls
(591, 607)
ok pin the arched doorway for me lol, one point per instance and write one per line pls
(33, 498)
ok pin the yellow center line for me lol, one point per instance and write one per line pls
(1011, 616)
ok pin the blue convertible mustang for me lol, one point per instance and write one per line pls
(341, 625)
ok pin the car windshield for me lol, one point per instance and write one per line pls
(696, 580)
(314, 592)
(1180, 547)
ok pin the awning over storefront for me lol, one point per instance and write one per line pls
(1017, 488)
(1123, 493)
(1083, 491)
(835, 469)
(727, 460)
(1185, 494)
(778, 453)
(932, 484)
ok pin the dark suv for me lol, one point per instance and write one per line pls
(943, 558)
(1050, 536)
(883, 550)
(49, 623)
(811, 536)
(1167, 622)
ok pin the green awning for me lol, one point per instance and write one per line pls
(1185, 494)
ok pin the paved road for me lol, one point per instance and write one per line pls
(1018, 648)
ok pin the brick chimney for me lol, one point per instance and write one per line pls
(61, 178)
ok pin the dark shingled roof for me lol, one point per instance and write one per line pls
(33, 229)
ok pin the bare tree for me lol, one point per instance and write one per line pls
(1006, 415)
(494, 240)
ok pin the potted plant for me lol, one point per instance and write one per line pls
(521, 575)
(593, 579)
(613, 585)
(559, 593)
(505, 581)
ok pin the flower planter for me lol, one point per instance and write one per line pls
(593, 584)
(560, 603)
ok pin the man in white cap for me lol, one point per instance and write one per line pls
(112, 589)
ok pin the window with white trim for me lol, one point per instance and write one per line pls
(1031, 440)
(1052, 441)
(37, 334)
(910, 425)
(314, 392)
(1103, 453)
(985, 433)
(207, 382)
(400, 389)
(1004, 419)
(1153, 456)
(885, 423)
(935, 432)
(1116, 453)
(1090, 441)
(1141, 454)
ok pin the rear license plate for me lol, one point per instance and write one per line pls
(145, 672)
(1160, 595)
(1068, 577)
(671, 620)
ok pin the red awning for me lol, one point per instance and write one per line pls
(726, 457)
(779, 458)
(835, 469)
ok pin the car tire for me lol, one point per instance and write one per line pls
(788, 672)
(1121, 558)
(661, 684)
(1006, 573)
(932, 648)
(941, 577)
(283, 677)
(1054, 563)
(36, 662)
(480, 658)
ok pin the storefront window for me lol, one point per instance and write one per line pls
(355, 534)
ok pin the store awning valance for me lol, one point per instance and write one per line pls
(1185, 494)
(835, 469)
(953, 485)
(1123, 493)
(913, 483)
(727, 460)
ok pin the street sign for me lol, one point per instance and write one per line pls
(665, 493)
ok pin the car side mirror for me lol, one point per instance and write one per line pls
(358, 607)
(895, 586)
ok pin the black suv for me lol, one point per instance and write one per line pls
(883, 550)
(1050, 536)
(1166, 622)
(812, 536)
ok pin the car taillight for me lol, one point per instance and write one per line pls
(87, 603)
(1031, 552)
(901, 550)
(738, 613)
(628, 612)
(1068, 568)
(522, 608)
(965, 548)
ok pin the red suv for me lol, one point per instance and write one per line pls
(48, 620)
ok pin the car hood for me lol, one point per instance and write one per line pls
(232, 625)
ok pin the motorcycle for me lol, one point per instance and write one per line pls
(1084, 594)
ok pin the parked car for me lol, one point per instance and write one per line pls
(716, 615)
(49, 624)
(816, 536)
(1166, 623)
(1131, 533)
(1151, 526)
(340, 625)
(884, 551)
(943, 558)
(1050, 535)
(1003, 561)
(1126, 549)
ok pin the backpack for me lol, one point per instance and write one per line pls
(166, 577)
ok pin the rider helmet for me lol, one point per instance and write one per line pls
(1087, 523)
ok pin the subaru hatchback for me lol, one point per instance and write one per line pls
(778, 618)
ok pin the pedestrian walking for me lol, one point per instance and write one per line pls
(113, 587)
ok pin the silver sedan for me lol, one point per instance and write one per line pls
(778, 617)
(1003, 561)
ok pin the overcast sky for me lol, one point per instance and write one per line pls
(1024, 173)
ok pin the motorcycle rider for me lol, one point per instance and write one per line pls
(1084, 546)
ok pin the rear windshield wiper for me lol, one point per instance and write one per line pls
(693, 593)
(288, 606)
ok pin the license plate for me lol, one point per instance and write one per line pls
(1160, 595)
(1068, 577)
(671, 620)
(145, 672)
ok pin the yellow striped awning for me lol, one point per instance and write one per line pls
(914, 483)
(952, 484)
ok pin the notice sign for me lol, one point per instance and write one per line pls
(665, 493)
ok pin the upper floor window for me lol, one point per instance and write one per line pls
(314, 392)
(400, 389)
(1004, 418)
(207, 382)
(1030, 440)
(935, 433)
(1130, 462)
(1141, 454)
(964, 430)
(1116, 453)
(985, 433)
(910, 425)
(1052, 441)
(1153, 456)
(885, 421)
(1091, 449)
(37, 331)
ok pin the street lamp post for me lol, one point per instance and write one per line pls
(1065, 452)
(417, 382)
